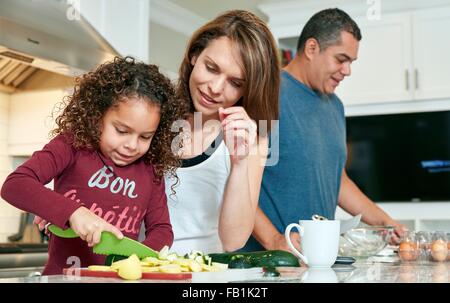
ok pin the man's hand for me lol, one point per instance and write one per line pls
(280, 243)
(399, 231)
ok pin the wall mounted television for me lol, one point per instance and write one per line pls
(400, 157)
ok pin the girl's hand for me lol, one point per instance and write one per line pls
(90, 226)
(239, 131)
(42, 224)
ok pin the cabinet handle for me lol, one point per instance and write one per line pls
(407, 79)
(416, 78)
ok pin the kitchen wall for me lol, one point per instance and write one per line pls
(30, 120)
(9, 216)
(166, 48)
(25, 122)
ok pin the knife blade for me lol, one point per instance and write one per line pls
(109, 244)
(346, 225)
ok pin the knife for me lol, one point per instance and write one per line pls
(346, 225)
(109, 244)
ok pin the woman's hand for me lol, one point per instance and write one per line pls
(239, 131)
(90, 226)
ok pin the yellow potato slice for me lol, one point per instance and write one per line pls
(222, 266)
(100, 268)
(151, 261)
(150, 269)
(182, 262)
(130, 269)
(116, 265)
(195, 266)
(170, 268)
(206, 267)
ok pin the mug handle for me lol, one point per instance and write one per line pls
(287, 235)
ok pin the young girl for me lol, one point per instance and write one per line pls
(229, 74)
(112, 147)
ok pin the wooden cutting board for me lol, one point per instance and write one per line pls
(84, 272)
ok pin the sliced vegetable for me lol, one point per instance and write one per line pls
(130, 269)
(268, 258)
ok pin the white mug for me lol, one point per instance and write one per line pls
(319, 241)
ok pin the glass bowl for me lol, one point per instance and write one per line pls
(365, 241)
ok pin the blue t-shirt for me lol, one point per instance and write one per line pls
(312, 155)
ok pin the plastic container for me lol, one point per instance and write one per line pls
(439, 246)
(424, 239)
(408, 249)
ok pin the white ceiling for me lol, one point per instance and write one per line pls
(208, 9)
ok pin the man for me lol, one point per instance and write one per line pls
(310, 177)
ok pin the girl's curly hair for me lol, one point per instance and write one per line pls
(95, 92)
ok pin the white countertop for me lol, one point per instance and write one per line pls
(360, 272)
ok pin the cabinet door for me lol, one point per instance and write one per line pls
(123, 24)
(382, 72)
(431, 30)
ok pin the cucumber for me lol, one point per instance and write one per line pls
(240, 261)
(110, 259)
(267, 258)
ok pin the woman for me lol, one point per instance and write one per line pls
(229, 78)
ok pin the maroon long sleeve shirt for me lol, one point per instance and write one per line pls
(124, 196)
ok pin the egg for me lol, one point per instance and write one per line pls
(439, 250)
(407, 251)
(448, 254)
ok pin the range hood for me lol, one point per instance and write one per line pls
(40, 35)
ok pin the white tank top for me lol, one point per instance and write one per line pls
(194, 209)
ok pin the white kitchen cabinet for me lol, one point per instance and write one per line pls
(124, 24)
(403, 56)
(431, 29)
(382, 72)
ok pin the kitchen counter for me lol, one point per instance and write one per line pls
(360, 272)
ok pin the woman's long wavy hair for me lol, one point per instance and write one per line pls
(259, 55)
(112, 82)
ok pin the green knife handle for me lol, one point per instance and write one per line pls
(62, 233)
